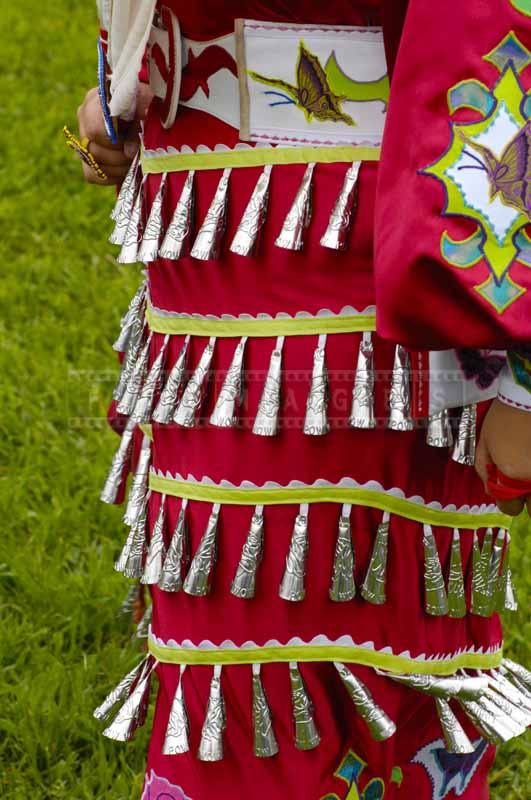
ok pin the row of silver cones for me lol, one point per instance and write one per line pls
(497, 702)
(165, 395)
(173, 569)
(146, 243)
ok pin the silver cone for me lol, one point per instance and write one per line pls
(247, 234)
(169, 397)
(149, 248)
(176, 243)
(465, 444)
(336, 234)
(208, 240)
(193, 395)
(373, 589)
(197, 582)
(177, 732)
(400, 396)
(266, 420)
(211, 745)
(436, 600)
(225, 414)
(343, 587)
(362, 410)
(306, 733)
(379, 724)
(244, 583)
(316, 419)
(292, 584)
(265, 743)
(291, 237)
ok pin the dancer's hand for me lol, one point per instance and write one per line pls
(505, 441)
(114, 159)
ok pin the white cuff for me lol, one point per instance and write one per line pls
(511, 393)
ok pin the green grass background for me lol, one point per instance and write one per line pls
(62, 294)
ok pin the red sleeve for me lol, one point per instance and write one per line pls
(453, 244)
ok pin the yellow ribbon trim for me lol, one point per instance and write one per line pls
(348, 655)
(327, 494)
(256, 157)
(295, 326)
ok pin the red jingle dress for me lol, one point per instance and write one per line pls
(324, 581)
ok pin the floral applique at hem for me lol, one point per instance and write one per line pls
(156, 788)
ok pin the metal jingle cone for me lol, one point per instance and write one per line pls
(197, 582)
(169, 397)
(510, 690)
(208, 240)
(136, 380)
(129, 603)
(379, 724)
(493, 570)
(193, 395)
(440, 432)
(134, 318)
(265, 743)
(123, 727)
(132, 565)
(142, 629)
(511, 603)
(121, 562)
(456, 582)
(119, 693)
(336, 234)
(171, 577)
(133, 235)
(501, 585)
(139, 485)
(291, 237)
(517, 682)
(149, 247)
(435, 592)
(523, 674)
(316, 419)
(481, 600)
(244, 582)
(458, 686)
(225, 414)
(503, 719)
(176, 740)
(400, 394)
(176, 242)
(126, 190)
(144, 404)
(266, 420)
(292, 584)
(343, 586)
(248, 232)
(131, 356)
(373, 588)
(465, 445)
(211, 745)
(515, 712)
(362, 410)
(455, 737)
(484, 722)
(125, 204)
(118, 471)
(306, 734)
(157, 551)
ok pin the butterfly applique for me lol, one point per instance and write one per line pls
(481, 367)
(510, 175)
(313, 93)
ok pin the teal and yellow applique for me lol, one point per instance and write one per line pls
(350, 771)
(486, 174)
(520, 364)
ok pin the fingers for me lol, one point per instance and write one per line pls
(482, 459)
(108, 157)
(512, 507)
(91, 177)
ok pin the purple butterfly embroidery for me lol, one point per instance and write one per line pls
(480, 366)
(509, 176)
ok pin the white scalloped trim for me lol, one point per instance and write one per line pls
(344, 483)
(318, 641)
(346, 311)
(203, 148)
